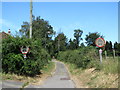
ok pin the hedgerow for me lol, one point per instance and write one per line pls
(83, 57)
(13, 61)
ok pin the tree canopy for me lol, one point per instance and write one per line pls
(40, 29)
(77, 34)
(91, 37)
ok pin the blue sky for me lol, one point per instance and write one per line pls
(99, 17)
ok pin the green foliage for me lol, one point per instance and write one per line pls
(108, 45)
(95, 64)
(40, 27)
(60, 42)
(81, 57)
(41, 30)
(117, 48)
(91, 37)
(72, 44)
(110, 65)
(13, 61)
(49, 68)
(77, 34)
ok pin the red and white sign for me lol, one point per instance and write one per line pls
(100, 42)
(24, 50)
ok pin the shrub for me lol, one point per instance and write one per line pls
(13, 61)
(81, 57)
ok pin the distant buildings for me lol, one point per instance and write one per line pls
(4, 35)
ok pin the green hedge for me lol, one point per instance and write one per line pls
(13, 61)
(83, 57)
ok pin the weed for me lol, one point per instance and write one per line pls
(25, 84)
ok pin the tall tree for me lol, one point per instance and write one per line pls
(115, 45)
(60, 42)
(107, 46)
(117, 48)
(77, 34)
(91, 37)
(72, 44)
(40, 27)
(110, 47)
(24, 31)
(40, 30)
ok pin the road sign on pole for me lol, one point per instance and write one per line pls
(100, 42)
(24, 50)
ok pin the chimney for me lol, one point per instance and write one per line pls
(9, 32)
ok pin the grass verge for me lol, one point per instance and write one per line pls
(37, 80)
(106, 77)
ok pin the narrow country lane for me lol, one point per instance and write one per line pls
(11, 84)
(60, 79)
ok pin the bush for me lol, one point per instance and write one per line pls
(81, 57)
(13, 61)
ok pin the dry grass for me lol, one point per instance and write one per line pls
(36, 80)
(90, 78)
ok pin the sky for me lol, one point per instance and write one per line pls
(91, 17)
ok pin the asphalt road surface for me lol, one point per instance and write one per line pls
(11, 84)
(60, 79)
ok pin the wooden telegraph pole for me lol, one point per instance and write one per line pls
(30, 18)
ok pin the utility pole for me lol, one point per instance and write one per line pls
(31, 18)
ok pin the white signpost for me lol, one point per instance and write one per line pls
(100, 42)
(100, 53)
